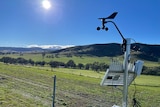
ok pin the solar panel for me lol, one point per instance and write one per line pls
(114, 76)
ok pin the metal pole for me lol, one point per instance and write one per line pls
(125, 80)
(54, 90)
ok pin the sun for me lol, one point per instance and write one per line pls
(46, 4)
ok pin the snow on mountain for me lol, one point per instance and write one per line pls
(52, 47)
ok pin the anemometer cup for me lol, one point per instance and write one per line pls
(98, 28)
(105, 28)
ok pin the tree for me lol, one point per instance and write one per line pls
(87, 66)
(54, 64)
(30, 61)
(8, 60)
(41, 63)
(95, 66)
(71, 64)
(43, 54)
(21, 61)
(80, 66)
(103, 66)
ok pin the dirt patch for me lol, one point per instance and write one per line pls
(73, 99)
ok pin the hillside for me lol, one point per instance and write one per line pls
(93, 50)
(147, 52)
(141, 51)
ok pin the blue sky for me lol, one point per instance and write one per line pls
(74, 22)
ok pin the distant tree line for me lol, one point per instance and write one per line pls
(151, 70)
(22, 61)
(95, 66)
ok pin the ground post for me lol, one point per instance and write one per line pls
(54, 90)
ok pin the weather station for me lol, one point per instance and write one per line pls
(121, 73)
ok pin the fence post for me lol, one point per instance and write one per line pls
(54, 90)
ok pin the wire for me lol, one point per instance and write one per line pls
(135, 102)
(135, 46)
(135, 88)
(133, 40)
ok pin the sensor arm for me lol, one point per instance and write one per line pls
(124, 40)
(112, 16)
(117, 29)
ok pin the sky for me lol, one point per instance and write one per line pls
(74, 22)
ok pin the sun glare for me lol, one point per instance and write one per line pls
(46, 4)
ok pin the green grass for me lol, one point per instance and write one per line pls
(35, 57)
(79, 72)
(147, 90)
(148, 80)
(32, 87)
(83, 59)
(151, 64)
(37, 84)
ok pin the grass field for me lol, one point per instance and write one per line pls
(24, 86)
(83, 59)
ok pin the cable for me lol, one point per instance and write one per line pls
(135, 91)
(133, 40)
(136, 46)
(135, 102)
